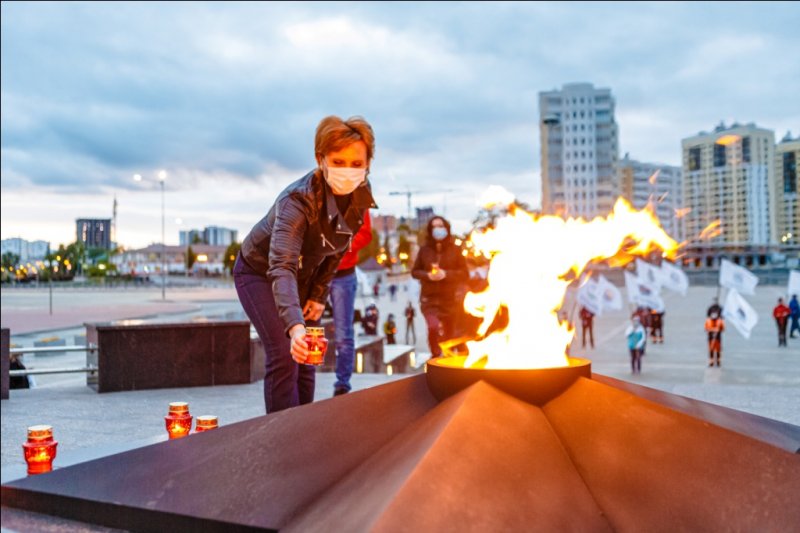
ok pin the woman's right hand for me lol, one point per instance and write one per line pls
(299, 348)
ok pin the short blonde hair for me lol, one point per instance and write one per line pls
(334, 134)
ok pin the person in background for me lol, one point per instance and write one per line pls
(794, 307)
(587, 325)
(390, 329)
(370, 321)
(636, 336)
(715, 325)
(410, 314)
(781, 313)
(656, 326)
(284, 269)
(441, 269)
(18, 382)
(343, 299)
(392, 291)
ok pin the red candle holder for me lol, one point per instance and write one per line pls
(317, 345)
(178, 421)
(40, 449)
(205, 423)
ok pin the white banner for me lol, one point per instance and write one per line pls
(674, 278)
(794, 284)
(735, 277)
(589, 297)
(738, 313)
(610, 296)
(642, 293)
(648, 273)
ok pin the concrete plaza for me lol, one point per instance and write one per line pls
(756, 375)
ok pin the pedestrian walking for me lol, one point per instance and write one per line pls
(343, 300)
(410, 314)
(441, 269)
(390, 329)
(781, 313)
(587, 325)
(794, 307)
(636, 336)
(715, 325)
(392, 291)
(284, 270)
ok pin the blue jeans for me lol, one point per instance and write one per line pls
(343, 299)
(286, 383)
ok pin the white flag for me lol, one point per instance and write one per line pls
(794, 283)
(738, 313)
(610, 296)
(648, 273)
(642, 293)
(589, 297)
(739, 278)
(674, 278)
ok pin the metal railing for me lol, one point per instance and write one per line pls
(49, 349)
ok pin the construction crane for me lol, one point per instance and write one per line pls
(408, 194)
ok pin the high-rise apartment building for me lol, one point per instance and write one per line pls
(211, 235)
(787, 153)
(579, 150)
(94, 232)
(652, 183)
(728, 177)
(25, 250)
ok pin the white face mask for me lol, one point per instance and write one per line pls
(439, 233)
(344, 180)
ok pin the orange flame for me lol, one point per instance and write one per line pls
(711, 231)
(682, 212)
(533, 260)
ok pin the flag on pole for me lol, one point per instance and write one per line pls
(589, 297)
(648, 273)
(642, 293)
(735, 277)
(610, 296)
(794, 283)
(738, 313)
(674, 278)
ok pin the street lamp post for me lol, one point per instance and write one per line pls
(162, 177)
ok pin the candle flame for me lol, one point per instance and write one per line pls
(533, 260)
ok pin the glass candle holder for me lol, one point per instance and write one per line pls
(206, 423)
(178, 421)
(317, 345)
(40, 449)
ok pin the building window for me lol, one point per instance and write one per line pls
(719, 155)
(746, 149)
(789, 172)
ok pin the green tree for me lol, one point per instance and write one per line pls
(10, 259)
(230, 255)
(191, 257)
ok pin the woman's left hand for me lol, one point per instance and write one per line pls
(313, 310)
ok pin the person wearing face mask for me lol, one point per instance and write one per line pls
(441, 270)
(284, 270)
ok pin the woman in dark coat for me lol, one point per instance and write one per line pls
(442, 271)
(287, 261)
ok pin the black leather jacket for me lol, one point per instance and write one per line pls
(300, 242)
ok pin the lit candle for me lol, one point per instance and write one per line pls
(206, 423)
(317, 345)
(40, 449)
(178, 421)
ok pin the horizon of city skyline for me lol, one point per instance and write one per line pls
(452, 103)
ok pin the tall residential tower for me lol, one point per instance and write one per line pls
(728, 176)
(787, 153)
(579, 150)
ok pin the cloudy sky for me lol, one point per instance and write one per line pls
(226, 97)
